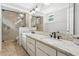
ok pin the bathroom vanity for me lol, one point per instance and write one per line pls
(42, 45)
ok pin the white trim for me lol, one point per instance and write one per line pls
(13, 8)
(0, 29)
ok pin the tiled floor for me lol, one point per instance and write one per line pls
(11, 48)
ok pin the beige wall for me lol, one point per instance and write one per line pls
(40, 26)
(9, 19)
(28, 20)
(8, 33)
(39, 20)
(11, 16)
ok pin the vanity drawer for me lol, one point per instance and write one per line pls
(40, 52)
(32, 47)
(30, 52)
(60, 54)
(31, 41)
(48, 50)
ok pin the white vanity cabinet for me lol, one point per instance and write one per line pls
(60, 54)
(23, 41)
(37, 47)
(21, 31)
(31, 46)
(20, 36)
(39, 52)
(43, 50)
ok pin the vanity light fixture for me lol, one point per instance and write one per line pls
(20, 18)
(37, 9)
(21, 15)
(34, 10)
(18, 21)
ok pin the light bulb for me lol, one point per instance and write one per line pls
(37, 9)
(21, 15)
(33, 12)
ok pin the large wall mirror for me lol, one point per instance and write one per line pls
(61, 19)
(37, 22)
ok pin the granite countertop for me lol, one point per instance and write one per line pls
(68, 47)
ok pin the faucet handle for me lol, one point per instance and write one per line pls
(50, 35)
(58, 37)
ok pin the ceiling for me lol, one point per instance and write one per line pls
(26, 7)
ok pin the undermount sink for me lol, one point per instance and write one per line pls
(45, 37)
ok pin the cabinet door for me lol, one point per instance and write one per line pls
(20, 36)
(46, 49)
(30, 52)
(40, 52)
(31, 46)
(19, 40)
(32, 41)
(60, 54)
(24, 42)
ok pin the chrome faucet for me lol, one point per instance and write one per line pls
(54, 34)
